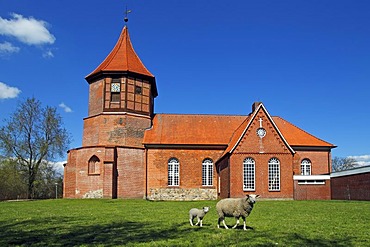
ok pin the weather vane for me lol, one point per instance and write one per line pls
(126, 13)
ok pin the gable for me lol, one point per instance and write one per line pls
(260, 135)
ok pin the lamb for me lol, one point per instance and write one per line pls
(199, 213)
(235, 207)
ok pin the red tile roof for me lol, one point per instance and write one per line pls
(122, 58)
(298, 137)
(179, 129)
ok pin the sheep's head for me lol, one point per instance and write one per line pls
(206, 209)
(252, 198)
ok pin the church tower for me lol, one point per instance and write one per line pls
(121, 98)
(111, 161)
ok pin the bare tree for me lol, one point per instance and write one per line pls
(341, 164)
(32, 135)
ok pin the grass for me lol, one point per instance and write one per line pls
(66, 222)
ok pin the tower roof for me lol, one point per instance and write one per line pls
(122, 58)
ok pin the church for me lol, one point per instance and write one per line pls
(129, 151)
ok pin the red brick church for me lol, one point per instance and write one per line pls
(128, 151)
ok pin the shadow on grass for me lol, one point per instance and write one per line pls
(70, 232)
(300, 240)
(112, 234)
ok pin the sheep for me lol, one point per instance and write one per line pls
(199, 213)
(235, 207)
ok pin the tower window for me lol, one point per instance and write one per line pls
(115, 97)
(138, 90)
(115, 90)
(115, 87)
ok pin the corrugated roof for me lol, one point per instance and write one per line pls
(122, 58)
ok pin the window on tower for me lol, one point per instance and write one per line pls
(115, 90)
(138, 90)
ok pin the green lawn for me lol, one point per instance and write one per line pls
(87, 222)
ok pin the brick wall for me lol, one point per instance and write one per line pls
(261, 175)
(312, 191)
(121, 173)
(320, 161)
(190, 168)
(224, 173)
(115, 129)
(78, 183)
(96, 91)
(351, 187)
(131, 173)
(261, 150)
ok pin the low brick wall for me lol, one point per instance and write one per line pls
(351, 184)
(178, 194)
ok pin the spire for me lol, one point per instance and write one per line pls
(122, 58)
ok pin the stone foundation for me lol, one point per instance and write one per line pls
(177, 194)
(94, 194)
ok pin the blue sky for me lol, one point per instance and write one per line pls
(307, 61)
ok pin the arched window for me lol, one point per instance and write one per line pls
(306, 167)
(249, 174)
(207, 172)
(94, 165)
(274, 174)
(173, 172)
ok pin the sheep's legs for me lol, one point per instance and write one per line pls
(244, 224)
(199, 221)
(191, 221)
(237, 223)
(223, 222)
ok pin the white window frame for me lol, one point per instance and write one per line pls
(173, 172)
(274, 174)
(306, 167)
(207, 172)
(249, 174)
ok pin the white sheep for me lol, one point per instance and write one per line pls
(199, 213)
(235, 207)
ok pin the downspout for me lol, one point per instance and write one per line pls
(329, 161)
(146, 172)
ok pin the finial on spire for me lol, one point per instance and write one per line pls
(126, 13)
